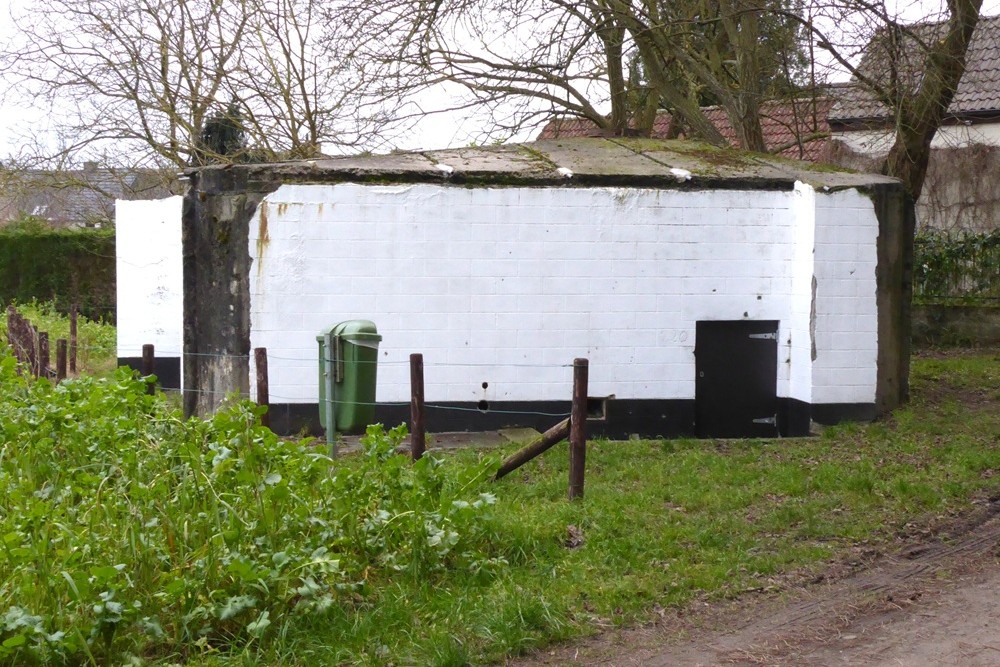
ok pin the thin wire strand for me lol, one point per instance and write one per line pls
(502, 412)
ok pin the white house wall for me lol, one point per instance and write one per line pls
(507, 285)
(876, 143)
(149, 278)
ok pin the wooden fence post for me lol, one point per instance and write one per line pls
(149, 366)
(578, 429)
(72, 338)
(417, 436)
(43, 354)
(263, 392)
(11, 326)
(61, 359)
(32, 345)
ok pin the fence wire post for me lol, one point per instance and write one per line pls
(149, 366)
(32, 336)
(72, 337)
(61, 359)
(578, 429)
(263, 392)
(417, 437)
(43, 354)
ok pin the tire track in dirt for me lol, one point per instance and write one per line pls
(931, 603)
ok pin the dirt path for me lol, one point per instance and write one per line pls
(933, 602)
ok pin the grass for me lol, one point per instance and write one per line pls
(663, 523)
(96, 341)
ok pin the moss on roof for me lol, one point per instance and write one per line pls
(569, 162)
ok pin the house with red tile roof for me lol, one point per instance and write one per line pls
(793, 128)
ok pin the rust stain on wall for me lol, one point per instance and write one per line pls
(263, 239)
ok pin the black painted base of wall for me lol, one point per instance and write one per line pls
(166, 369)
(615, 419)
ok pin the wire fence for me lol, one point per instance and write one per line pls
(19, 345)
(438, 406)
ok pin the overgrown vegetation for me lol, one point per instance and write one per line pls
(62, 266)
(128, 532)
(131, 536)
(961, 268)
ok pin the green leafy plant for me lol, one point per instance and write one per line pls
(127, 530)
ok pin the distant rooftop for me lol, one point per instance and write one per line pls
(75, 197)
(978, 93)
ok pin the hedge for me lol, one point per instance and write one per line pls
(64, 266)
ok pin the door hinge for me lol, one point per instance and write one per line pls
(765, 336)
(773, 421)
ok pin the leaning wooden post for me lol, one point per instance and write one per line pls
(43, 354)
(61, 359)
(538, 446)
(263, 392)
(72, 338)
(149, 366)
(578, 429)
(417, 437)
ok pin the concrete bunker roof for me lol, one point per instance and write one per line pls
(587, 161)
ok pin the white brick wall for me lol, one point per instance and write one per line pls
(507, 285)
(150, 289)
(846, 311)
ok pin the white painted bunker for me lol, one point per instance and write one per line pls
(744, 297)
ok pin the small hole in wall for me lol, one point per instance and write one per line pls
(759, 297)
(746, 314)
(484, 406)
(486, 385)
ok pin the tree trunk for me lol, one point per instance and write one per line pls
(921, 114)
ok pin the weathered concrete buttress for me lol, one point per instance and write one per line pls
(894, 280)
(217, 210)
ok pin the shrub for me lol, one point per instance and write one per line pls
(64, 266)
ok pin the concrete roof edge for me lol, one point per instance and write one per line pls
(592, 162)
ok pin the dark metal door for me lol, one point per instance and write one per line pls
(736, 368)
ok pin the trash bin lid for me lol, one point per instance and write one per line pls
(357, 330)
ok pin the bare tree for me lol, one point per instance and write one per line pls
(536, 58)
(581, 57)
(907, 74)
(139, 78)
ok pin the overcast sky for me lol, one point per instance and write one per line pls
(436, 131)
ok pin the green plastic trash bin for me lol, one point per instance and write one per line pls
(353, 355)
